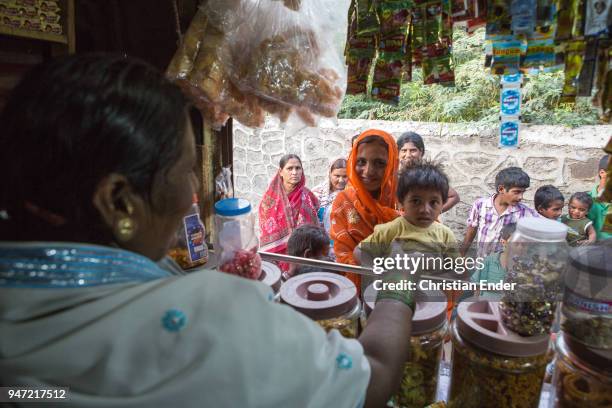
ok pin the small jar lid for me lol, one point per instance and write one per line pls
(320, 295)
(593, 259)
(429, 314)
(542, 229)
(480, 323)
(230, 207)
(270, 275)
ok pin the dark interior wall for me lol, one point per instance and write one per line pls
(141, 28)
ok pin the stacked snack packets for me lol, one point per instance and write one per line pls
(386, 38)
(510, 110)
(389, 37)
(31, 15)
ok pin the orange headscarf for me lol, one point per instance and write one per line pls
(383, 208)
(355, 212)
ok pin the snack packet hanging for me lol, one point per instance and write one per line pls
(540, 49)
(578, 11)
(499, 19)
(509, 131)
(506, 57)
(564, 20)
(523, 17)
(438, 70)
(387, 79)
(510, 101)
(574, 57)
(597, 17)
(587, 72)
(360, 52)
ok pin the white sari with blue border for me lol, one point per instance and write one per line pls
(121, 332)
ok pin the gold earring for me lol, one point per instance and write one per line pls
(125, 229)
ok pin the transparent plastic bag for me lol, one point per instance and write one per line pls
(247, 57)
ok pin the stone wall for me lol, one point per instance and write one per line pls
(564, 157)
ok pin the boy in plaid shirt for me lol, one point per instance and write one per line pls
(489, 214)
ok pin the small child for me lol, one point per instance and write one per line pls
(307, 241)
(580, 228)
(495, 264)
(422, 191)
(549, 202)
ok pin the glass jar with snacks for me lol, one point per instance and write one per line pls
(587, 300)
(271, 276)
(493, 366)
(327, 298)
(429, 326)
(236, 243)
(537, 259)
(581, 379)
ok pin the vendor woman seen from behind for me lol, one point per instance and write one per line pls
(98, 164)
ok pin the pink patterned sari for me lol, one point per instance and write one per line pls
(280, 213)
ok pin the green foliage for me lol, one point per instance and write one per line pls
(475, 96)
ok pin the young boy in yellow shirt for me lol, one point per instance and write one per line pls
(422, 191)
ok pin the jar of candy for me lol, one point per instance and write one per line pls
(327, 298)
(236, 243)
(587, 300)
(271, 276)
(429, 326)
(492, 366)
(537, 259)
(581, 379)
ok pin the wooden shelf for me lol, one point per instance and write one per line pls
(36, 35)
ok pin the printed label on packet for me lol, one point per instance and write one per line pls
(509, 132)
(510, 101)
(512, 81)
(195, 238)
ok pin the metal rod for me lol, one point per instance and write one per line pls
(338, 267)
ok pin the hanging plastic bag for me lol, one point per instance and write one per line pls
(284, 57)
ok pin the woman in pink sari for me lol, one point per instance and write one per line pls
(286, 205)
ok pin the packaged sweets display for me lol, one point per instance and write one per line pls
(506, 57)
(587, 301)
(491, 366)
(537, 255)
(429, 327)
(579, 382)
(236, 242)
(510, 101)
(523, 14)
(327, 298)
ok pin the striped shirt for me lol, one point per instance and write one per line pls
(489, 223)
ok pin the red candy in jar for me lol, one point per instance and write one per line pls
(245, 263)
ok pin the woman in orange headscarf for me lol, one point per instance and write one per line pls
(370, 196)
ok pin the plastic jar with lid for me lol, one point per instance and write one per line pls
(492, 366)
(271, 276)
(536, 263)
(581, 379)
(587, 300)
(236, 243)
(327, 298)
(429, 327)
